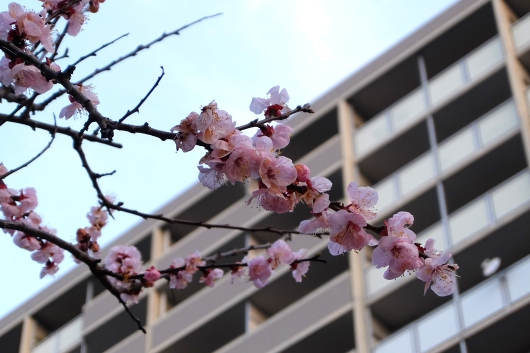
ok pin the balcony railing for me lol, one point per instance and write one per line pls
(413, 107)
(521, 32)
(63, 340)
(462, 146)
(484, 211)
(481, 302)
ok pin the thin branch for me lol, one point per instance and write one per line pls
(109, 205)
(58, 44)
(43, 104)
(35, 124)
(31, 160)
(8, 95)
(306, 108)
(137, 108)
(94, 53)
(93, 264)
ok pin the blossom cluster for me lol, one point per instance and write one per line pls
(87, 238)
(19, 206)
(126, 261)
(237, 157)
(26, 29)
(282, 185)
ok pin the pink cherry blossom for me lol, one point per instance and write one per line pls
(363, 198)
(303, 173)
(212, 276)
(243, 163)
(272, 200)
(239, 272)
(440, 273)
(214, 123)
(314, 196)
(280, 253)
(277, 173)
(212, 177)
(192, 261)
(397, 249)
(280, 135)
(259, 271)
(277, 97)
(49, 269)
(48, 251)
(28, 200)
(26, 241)
(23, 76)
(32, 24)
(398, 253)
(182, 278)
(124, 259)
(186, 138)
(152, 275)
(347, 232)
(300, 268)
(75, 18)
(317, 225)
(398, 225)
(71, 109)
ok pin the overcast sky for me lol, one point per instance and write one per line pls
(307, 46)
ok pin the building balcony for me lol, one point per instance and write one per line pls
(455, 152)
(471, 223)
(496, 298)
(63, 340)
(442, 88)
(521, 33)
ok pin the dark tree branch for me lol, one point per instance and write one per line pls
(56, 95)
(93, 264)
(137, 108)
(35, 124)
(94, 53)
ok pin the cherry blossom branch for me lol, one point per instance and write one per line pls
(31, 160)
(93, 264)
(35, 124)
(306, 108)
(119, 206)
(64, 79)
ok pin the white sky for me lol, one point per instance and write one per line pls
(307, 46)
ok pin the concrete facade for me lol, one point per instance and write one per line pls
(439, 125)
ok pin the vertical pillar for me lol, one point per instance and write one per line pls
(346, 117)
(159, 243)
(517, 75)
(26, 338)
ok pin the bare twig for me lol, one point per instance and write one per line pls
(31, 160)
(137, 108)
(94, 53)
(43, 104)
(58, 44)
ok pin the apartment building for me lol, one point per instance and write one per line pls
(439, 125)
